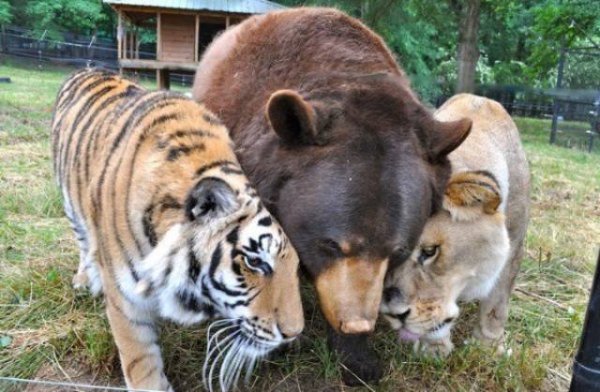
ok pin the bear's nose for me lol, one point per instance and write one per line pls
(357, 326)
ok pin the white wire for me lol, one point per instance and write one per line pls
(73, 385)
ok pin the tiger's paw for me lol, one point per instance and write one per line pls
(80, 281)
(88, 280)
(440, 348)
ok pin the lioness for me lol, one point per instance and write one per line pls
(472, 248)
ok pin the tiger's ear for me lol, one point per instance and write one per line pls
(470, 194)
(445, 137)
(211, 198)
(292, 118)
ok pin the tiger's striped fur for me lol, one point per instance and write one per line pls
(168, 225)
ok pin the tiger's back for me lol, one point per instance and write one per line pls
(103, 127)
(167, 222)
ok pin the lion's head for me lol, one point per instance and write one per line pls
(460, 255)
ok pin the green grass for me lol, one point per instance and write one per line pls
(47, 330)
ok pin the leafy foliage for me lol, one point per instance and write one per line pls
(5, 13)
(519, 40)
(59, 16)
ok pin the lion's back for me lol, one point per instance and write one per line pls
(494, 145)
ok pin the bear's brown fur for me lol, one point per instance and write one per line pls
(339, 148)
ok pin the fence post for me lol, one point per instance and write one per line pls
(586, 368)
(559, 77)
(3, 44)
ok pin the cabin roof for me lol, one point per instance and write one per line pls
(230, 6)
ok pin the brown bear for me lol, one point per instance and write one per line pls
(339, 148)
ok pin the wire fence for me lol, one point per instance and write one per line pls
(19, 384)
(574, 109)
(75, 51)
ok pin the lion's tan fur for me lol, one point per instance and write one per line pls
(479, 232)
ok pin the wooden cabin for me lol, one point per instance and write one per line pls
(181, 29)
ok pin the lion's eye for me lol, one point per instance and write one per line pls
(427, 253)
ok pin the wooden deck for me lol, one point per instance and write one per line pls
(158, 65)
(162, 68)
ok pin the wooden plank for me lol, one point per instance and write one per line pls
(197, 39)
(178, 38)
(131, 48)
(163, 79)
(152, 65)
(119, 35)
(183, 12)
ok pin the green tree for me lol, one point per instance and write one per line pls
(58, 16)
(5, 12)
(562, 24)
(77, 16)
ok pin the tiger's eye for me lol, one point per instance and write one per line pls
(253, 261)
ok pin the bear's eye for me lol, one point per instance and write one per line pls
(330, 247)
(427, 253)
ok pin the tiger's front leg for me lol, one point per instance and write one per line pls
(135, 334)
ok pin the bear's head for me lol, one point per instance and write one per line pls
(356, 169)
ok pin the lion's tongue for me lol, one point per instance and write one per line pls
(406, 335)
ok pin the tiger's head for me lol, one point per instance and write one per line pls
(228, 259)
(460, 255)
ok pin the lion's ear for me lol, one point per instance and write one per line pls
(470, 194)
(293, 118)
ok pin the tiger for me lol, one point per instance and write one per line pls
(472, 248)
(169, 227)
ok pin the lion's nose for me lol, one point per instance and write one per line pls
(391, 293)
(402, 316)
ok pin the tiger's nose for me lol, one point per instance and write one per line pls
(290, 332)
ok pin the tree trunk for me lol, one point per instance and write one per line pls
(468, 52)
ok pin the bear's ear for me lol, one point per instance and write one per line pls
(447, 136)
(292, 118)
(470, 194)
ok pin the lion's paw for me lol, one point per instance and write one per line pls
(497, 342)
(434, 348)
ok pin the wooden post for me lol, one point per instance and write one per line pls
(125, 43)
(137, 43)
(227, 22)
(158, 38)
(120, 36)
(197, 39)
(163, 79)
(131, 46)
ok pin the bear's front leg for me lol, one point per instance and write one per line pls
(360, 363)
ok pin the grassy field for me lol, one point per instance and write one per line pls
(49, 331)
